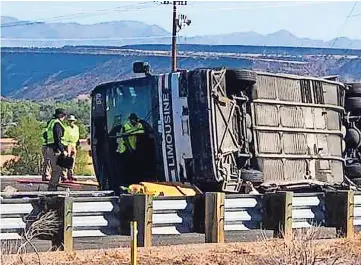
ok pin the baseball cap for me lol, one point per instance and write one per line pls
(60, 112)
(71, 118)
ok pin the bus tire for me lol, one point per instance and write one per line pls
(353, 103)
(237, 75)
(352, 137)
(355, 90)
(353, 171)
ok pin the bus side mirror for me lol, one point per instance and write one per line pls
(141, 67)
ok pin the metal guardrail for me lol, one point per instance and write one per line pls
(37, 194)
(37, 177)
(16, 215)
(357, 210)
(172, 216)
(308, 209)
(96, 217)
(242, 212)
(92, 216)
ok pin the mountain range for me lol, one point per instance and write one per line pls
(17, 33)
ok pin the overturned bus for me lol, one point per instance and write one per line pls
(220, 128)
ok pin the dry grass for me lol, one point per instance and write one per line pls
(303, 249)
(46, 224)
(8, 247)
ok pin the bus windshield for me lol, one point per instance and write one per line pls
(122, 99)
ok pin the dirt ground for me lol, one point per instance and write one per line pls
(266, 252)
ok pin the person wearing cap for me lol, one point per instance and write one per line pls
(128, 139)
(71, 138)
(127, 145)
(56, 146)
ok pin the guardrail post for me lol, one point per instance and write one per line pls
(143, 214)
(63, 237)
(199, 214)
(68, 224)
(125, 213)
(277, 214)
(134, 245)
(339, 212)
(214, 217)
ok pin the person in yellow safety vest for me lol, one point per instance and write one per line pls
(71, 137)
(46, 167)
(55, 146)
(128, 139)
(127, 145)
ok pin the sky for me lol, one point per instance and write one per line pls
(315, 20)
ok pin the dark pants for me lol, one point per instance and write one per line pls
(128, 168)
(55, 169)
(122, 171)
(46, 167)
(115, 180)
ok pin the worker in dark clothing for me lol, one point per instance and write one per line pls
(127, 146)
(145, 154)
(56, 146)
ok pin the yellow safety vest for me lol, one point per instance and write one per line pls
(49, 131)
(71, 135)
(132, 131)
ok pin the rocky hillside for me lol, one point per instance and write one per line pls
(66, 73)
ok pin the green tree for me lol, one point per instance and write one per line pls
(6, 113)
(83, 130)
(28, 151)
(13, 110)
(83, 165)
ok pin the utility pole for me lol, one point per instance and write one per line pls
(174, 38)
(178, 22)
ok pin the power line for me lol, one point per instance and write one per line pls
(245, 7)
(120, 9)
(344, 23)
(54, 20)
